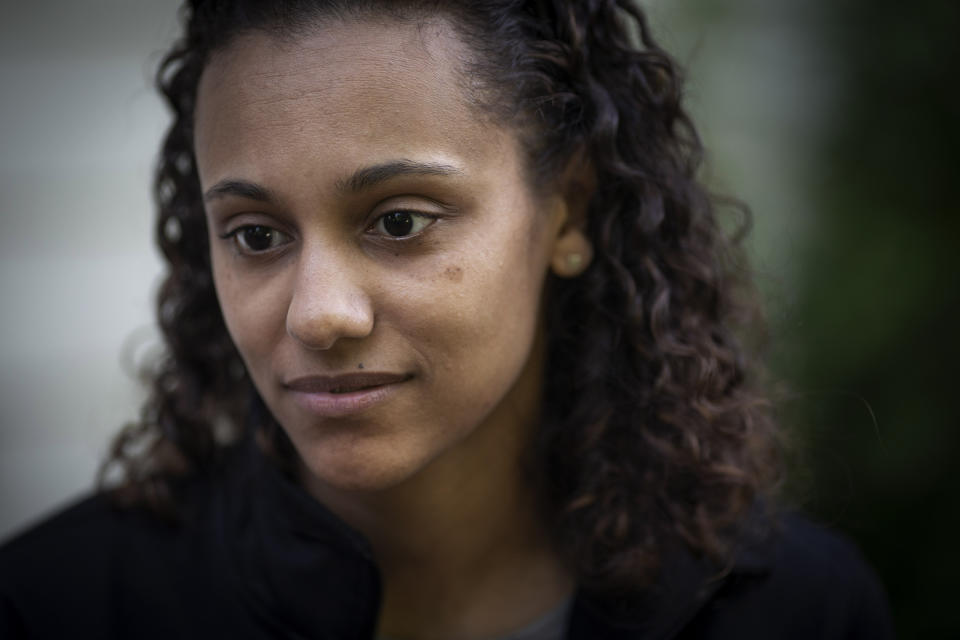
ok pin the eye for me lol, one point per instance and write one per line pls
(401, 224)
(257, 238)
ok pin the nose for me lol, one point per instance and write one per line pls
(329, 302)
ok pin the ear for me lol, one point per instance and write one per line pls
(572, 253)
(572, 249)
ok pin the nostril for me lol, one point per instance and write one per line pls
(320, 327)
(329, 301)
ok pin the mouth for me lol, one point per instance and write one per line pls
(344, 394)
(344, 383)
(349, 389)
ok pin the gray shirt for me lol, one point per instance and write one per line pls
(551, 626)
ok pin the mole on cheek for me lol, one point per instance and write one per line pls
(454, 274)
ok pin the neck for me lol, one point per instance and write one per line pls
(467, 560)
(461, 547)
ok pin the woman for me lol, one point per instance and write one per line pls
(450, 343)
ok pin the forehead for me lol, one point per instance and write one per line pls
(353, 88)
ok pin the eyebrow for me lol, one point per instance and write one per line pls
(363, 178)
(367, 177)
(240, 188)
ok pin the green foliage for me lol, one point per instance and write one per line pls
(877, 305)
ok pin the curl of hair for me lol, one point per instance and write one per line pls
(652, 433)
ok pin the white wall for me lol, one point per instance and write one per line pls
(79, 126)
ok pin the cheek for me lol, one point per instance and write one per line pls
(478, 313)
(453, 273)
(253, 313)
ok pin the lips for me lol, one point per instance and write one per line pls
(344, 383)
(332, 396)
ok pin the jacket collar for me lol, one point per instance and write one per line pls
(300, 570)
(686, 583)
(289, 549)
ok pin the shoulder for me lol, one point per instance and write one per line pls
(88, 522)
(99, 570)
(84, 540)
(251, 555)
(799, 581)
(802, 581)
(74, 547)
(79, 541)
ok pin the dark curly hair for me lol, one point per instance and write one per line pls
(652, 434)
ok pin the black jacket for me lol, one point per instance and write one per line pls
(254, 556)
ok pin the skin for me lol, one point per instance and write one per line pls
(430, 472)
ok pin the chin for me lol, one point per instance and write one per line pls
(359, 468)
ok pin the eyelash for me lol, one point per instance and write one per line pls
(236, 235)
(429, 220)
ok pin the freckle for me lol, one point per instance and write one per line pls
(360, 366)
(454, 274)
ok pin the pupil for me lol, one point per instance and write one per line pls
(398, 223)
(258, 238)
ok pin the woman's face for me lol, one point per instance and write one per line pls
(378, 254)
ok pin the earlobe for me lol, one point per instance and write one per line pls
(572, 253)
(572, 250)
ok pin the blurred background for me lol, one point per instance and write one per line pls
(836, 121)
